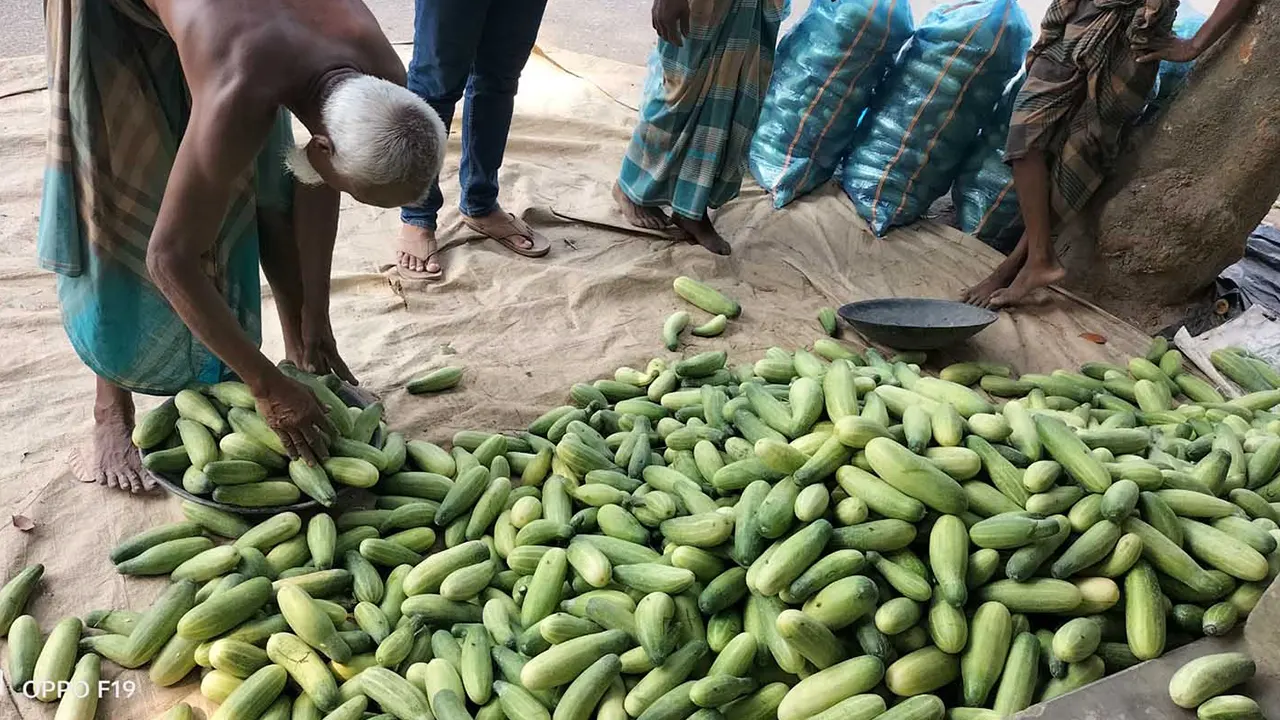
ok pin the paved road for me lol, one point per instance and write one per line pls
(616, 29)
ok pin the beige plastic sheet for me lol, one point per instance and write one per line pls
(524, 329)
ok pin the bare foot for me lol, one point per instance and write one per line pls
(114, 461)
(418, 251)
(649, 218)
(999, 279)
(704, 233)
(1030, 278)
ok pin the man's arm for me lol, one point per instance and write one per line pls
(221, 140)
(212, 156)
(1224, 17)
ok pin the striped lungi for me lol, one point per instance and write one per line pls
(1084, 88)
(118, 108)
(701, 106)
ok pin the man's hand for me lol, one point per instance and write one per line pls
(1175, 49)
(671, 20)
(297, 417)
(320, 353)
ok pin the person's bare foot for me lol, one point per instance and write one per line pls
(113, 461)
(418, 251)
(999, 279)
(1031, 277)
(704, 233)
(649, 218)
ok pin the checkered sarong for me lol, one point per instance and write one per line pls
(1084, 88)
(118, 107)
(701, 105)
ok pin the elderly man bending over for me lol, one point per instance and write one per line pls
(165, 188)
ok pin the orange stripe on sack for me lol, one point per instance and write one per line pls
(884, 40)
(902, 147)
(951, 114)
(999, 199)
(808, 112)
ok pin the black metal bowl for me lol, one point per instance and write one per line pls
(173, 484)
(917, 323)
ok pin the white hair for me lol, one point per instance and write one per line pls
(382, 134)
(299, 165)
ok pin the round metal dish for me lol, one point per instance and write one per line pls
(917, 323)
(350, 395)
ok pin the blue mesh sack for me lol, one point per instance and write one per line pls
(929, 110)
(1172, 76)
(825, 71)
(986, 204)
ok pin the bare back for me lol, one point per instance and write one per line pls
(243, 60)
(280, 49)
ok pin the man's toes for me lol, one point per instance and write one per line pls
(135, 483)
(148, 482)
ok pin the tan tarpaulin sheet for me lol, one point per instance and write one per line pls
(524, 329)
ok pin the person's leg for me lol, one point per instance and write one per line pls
(702, 232)
(1000, 278)
(1040, 268)
(1042, 111)
(114, 462)
(281, 263)
(650, 218)
(446, 35)
(509, 33)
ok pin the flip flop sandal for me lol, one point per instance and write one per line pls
(611, 220)
(506, 233)
(420, 275)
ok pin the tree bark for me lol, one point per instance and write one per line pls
(1194, 183)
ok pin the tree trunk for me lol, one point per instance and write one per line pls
(1193, 185)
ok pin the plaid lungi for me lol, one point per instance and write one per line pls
(1084, 88)
(701, 106)
(118, 108)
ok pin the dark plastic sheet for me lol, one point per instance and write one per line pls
(1257, 275)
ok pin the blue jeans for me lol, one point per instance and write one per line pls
(476, 47)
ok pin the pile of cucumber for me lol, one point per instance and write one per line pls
(223, 449)
(824, 534)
